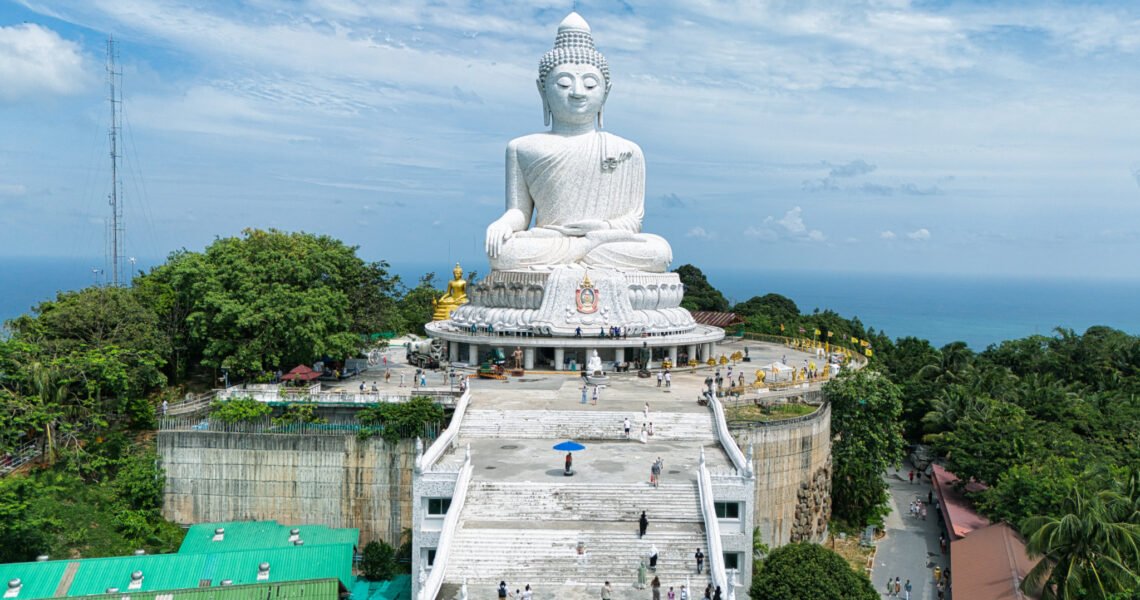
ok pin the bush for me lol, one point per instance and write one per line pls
(807, 571)
(239, 410)
(379, 561)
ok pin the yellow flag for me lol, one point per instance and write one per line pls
(781, 327)
(854, 340)
(829, 333)
(864, 343)
(817, 332)
(868, 352)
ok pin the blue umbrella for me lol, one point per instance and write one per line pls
(569, 446)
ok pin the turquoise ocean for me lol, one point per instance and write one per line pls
(978, 310)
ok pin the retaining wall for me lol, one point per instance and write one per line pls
(339, 481)
(793, 476)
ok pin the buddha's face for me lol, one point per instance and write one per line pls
(575, 93)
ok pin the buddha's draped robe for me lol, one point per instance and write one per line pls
(570, 185)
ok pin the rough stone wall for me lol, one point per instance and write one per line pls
(339, 481)
(793, 476)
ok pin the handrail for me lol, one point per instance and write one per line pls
(19, 457)
(712, 526)
(726, 441)
(429, 588)
(425, 461)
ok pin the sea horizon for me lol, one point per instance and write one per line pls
(977, 309)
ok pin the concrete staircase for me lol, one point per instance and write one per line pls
(526, 533)
(584, 424)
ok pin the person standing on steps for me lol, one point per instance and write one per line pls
(708, 592)
(651, 429)
(716, 593)
(607, 591)
(700, 556)
(644, 434)
(671, 595)
(653, 558)
(656, 587)
(626, 425)
(646, 411)
(503, 589)
(527, 594)
(684, 594)
(642, 524)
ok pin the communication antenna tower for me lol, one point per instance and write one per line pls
(117, 229)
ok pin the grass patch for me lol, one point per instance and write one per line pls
(767, 414)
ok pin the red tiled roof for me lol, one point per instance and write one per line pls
(717, 319)
(990, 564)
(961, 519)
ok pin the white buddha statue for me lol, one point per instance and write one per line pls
(583, 188)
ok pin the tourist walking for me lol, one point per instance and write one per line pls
(503, 589)
(668, 379)
(584, 394)
(906, 589)
(653, 558)
(527, 594)
(684, 594)
(625, 424)
(646, 411)
(716, 594)
(387, 375)
(942, 542)
(671, 595)
(597, 393)
(402, 379)
(890, 587)
(660, 464)
(651, 429)
(656, 587)
(607, 591)
(644, 434)
(898, 587)
(708, 592)
(642, 525)
(654, 472)
(660, 378)
(700, 556)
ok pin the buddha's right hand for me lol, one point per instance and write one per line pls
(497, 234)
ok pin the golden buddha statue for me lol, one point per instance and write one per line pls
(453, 298)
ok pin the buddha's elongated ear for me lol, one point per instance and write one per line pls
(545, 105)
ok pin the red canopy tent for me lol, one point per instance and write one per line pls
(300, 373)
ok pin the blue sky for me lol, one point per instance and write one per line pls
(887, 136)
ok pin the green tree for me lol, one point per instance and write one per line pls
(699, 293)
(1088, 552)
(805, 571)
(867, 438)
(378, 562)
(271, 299)
(416, 305)
(402, 420)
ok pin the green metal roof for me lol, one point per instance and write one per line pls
(38, 579)
(168, 572)
(323, 589)
(251, 535)
(397, 588)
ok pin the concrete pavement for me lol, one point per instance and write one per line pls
(910, 548)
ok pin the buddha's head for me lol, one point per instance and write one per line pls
(457, 272)
(573, 77)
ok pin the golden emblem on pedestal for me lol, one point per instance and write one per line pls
(453, 298)
(587, 298)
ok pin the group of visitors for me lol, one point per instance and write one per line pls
(897, 589)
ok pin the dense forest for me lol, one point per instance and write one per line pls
(1050, 424)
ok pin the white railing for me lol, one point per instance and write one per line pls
(712, 526)
(19, 457)
(336, 397)
(429, 588)
(442, 443)
(742, 465)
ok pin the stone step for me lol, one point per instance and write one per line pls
(487, 552)
(677, 501)
(543, 591)
(583, 424)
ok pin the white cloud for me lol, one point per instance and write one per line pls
(700, 233)
(761, 233)
(793, 224)
(35, 61)
(919, 235)
(888, 235)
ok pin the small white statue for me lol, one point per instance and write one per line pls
(594, 363)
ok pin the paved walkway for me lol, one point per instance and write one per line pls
(910, 549)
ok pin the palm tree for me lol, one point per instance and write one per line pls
(1086, 553)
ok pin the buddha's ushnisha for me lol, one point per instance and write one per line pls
(584, 188)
